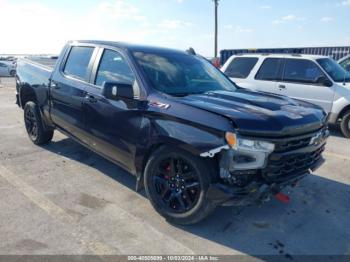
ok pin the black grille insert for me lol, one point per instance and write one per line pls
(284, 167)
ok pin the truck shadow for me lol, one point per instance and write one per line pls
(315, 222)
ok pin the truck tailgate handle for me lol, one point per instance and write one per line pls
(91, 98)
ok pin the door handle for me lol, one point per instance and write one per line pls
(54, 85)
(91, 98)
(282, 86)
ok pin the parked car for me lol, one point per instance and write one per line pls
(7, 68)
(315, 79)
(345, 62)
(192, 138)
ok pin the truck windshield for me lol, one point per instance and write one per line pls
(334, 70)
(181, 74)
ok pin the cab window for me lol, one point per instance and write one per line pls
(113, 68)
(302, 71)
(346, 64)
(77, 63)
(270, 70)
(240, 67)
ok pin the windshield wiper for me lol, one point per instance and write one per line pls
(186, 93)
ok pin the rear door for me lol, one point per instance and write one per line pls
(268, 75)
(113, 125)
(301, 80)
(68, 90)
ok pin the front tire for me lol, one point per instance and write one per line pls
(34, 125)
(345, 124)
(12, 73)
(176, 183)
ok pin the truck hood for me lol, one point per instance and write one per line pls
(258, 113)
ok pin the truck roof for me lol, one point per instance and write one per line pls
(127, 46)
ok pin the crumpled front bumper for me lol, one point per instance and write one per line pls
(254, 193)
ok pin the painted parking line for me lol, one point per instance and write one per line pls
(127, 223)
(331, 154)
(81, 233)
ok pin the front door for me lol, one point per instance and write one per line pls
(113, 125)
(301, 80)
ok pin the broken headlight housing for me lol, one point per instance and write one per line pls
(246, 154)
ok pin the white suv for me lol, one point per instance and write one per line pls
(315, 79)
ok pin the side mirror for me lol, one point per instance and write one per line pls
(114, 90)
(325, 81)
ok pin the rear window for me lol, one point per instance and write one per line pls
(270, 70)
(78, 62)
(240, 67)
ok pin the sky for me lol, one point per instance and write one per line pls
(43, 26)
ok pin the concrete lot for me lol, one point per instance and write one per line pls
(64, 199)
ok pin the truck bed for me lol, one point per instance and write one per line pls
(43, 61)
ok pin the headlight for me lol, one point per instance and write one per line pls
(247, 144)
(255, 145)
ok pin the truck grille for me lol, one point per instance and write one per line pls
(292, 145)
(294, 157)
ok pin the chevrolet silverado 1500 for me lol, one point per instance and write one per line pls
(193, 139)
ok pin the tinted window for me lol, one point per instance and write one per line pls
(346, 64)
(240, 67)
(78, 62)
(270, 69)
(113, 68)
(334, 70)
(2, 65)
(302, 71)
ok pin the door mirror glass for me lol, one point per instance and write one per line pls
(324, 81)
(115, 91)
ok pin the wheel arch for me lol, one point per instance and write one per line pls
(26, 94)
(343, 112)
(144, 155)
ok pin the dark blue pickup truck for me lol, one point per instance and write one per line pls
(193, 139)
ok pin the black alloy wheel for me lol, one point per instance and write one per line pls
(31, 123)
(176, 183)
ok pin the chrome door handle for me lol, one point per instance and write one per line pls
(282, 86)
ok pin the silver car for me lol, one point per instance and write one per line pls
(7, 68)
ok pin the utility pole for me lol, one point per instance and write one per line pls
(216, 3)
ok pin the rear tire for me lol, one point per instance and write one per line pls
(12, 73)
(34, 125)
(345, 124)
(176, 183)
